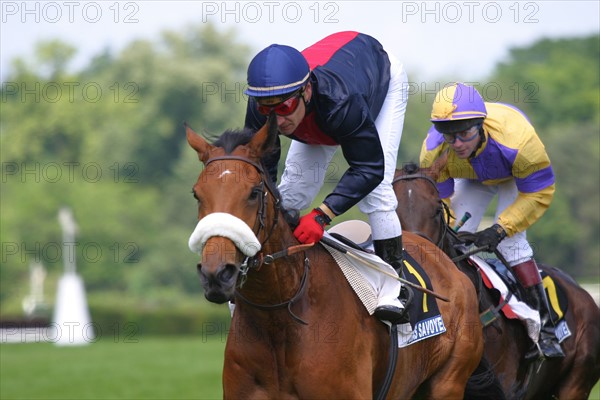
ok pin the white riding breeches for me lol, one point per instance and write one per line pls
(306, 165)
(475, 197)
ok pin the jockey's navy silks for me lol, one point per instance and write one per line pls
(350, 75)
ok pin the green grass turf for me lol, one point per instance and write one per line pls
(153, 368)
(173, 368)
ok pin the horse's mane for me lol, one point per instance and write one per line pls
(233, 138)
(410, 168)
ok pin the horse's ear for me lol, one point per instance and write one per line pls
(201, 146)
(438, 165)
(266, 138)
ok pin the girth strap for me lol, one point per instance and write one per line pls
(391, 369)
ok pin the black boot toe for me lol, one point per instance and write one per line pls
(549, 345)
(393, 314)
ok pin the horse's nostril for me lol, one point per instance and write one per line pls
(227, 272)
(203, 278)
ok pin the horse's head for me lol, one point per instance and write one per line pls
(420, 208)
(232, 194)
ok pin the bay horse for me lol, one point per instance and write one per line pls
(422, 211)
(298, 331)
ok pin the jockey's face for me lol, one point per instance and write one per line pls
(464, 143)
(287, 124)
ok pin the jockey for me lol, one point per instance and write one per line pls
(343, 91)
(494, 150)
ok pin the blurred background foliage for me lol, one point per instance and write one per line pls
(108, 142)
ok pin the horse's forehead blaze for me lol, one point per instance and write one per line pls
(225, 186)
(229, 173)
(418, 204)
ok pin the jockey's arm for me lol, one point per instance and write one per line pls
(535, 182)
(526, 210)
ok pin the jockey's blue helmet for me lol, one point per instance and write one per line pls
(457, 108)
(276, 71)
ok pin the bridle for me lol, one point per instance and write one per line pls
(265, 188)
(255, 262)
(445, 223)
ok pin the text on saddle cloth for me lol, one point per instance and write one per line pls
(425, 317)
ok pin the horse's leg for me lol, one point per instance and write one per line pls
(450, 382)
(505, 344)
(576, 386)
(465, 354)
(581, 366)
(582, 375)
(453, 356)
(342, 353)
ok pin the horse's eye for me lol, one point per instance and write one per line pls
(255, 193)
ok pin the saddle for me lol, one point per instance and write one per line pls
(349, 231)
(425, 318)
(355, 234)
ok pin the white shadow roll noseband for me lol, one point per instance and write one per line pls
(225, 225)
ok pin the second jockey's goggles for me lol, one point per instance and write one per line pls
(451, 138)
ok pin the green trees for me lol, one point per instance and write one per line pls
(108, 142)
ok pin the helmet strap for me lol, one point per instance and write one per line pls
(307, 103)
(481, 141)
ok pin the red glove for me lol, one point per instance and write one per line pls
(311, 226)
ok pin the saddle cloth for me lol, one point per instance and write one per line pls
(515, 308)
(371, 286)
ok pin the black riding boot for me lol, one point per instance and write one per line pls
(529, 277)
(390, 251)
(548, 343)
